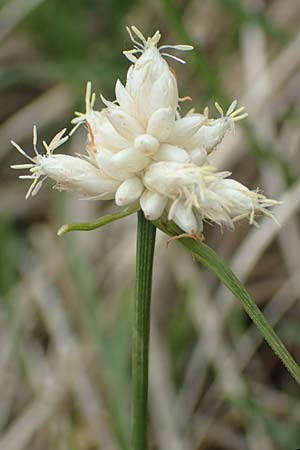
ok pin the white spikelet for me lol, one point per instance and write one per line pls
(70, 173)
(201, 193)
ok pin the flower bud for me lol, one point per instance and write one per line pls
(164, 92)
(169, 152)
(131, 159)
(240, 198)
(147, 69)
(129, 191)
(151, 84)
(198, 156)
(104, 134)
(123, 164)
(104, 160)
(209, 136)
(146, 144)
(184, 218)
(75, 174)
(152, 204)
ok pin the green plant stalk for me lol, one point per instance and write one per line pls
(146, 233)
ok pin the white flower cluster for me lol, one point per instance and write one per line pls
(139, 149)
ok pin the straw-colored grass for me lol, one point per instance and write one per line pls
(66, 303)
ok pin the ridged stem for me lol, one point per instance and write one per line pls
(146, 233)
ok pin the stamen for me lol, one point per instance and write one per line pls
(20, 150)
(34, 140)
(48, 150)
(37, 188)
(231, 108)
(182, 48)
(93, 99)
(134, 40)
(130, 56)
(219, 108)
(75, 127)
(22, 166)
(183, 99)
(88, 94)
(241, 216)
(94, 197)
(31, 188)
(154, 39)
(269, 214)
(206, 111)
(175, 58)
(58, 140)
(139, 34)
(236, 119)
(132, 51)
(235, 113)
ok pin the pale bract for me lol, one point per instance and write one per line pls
(140, 149)
(194, 194)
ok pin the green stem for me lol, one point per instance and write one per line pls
(141, 329)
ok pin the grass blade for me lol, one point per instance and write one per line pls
(206, 255)
(104, 220)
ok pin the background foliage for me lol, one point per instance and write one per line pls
(65, 303)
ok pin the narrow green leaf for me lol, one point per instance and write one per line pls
(210, 259)
(88, 226)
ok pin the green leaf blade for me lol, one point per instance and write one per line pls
(104, 220)
(206, 256)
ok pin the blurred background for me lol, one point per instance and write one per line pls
(66, 303)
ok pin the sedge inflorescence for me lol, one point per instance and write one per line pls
(140, 149)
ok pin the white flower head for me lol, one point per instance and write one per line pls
(141, 45)
(139, 149)
(70, 173)
(212, 133)
(193, 194)
(150, 82)
(141, 125)
(36, 162)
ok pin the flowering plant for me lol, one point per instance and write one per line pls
(140, 149)
(147, 157)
